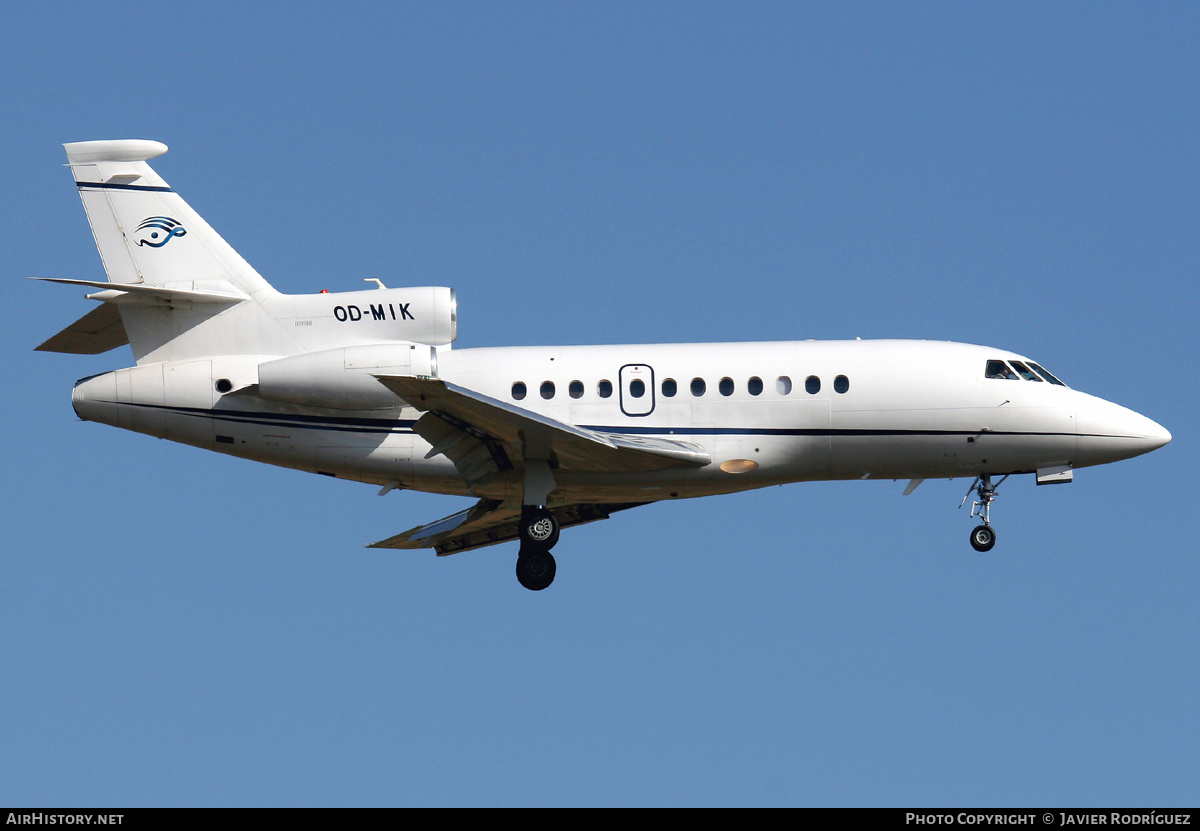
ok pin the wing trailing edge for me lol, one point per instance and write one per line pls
(488, 522)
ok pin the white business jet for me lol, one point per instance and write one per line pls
(364, 385)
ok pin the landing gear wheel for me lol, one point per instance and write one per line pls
(535, 568)
(539, 528)
(983, 538)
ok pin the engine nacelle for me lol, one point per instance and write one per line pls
(344, 378)
(413, 315)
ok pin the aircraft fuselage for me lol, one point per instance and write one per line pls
(766, 413)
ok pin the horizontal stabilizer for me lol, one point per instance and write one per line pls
(97, 331)
(159, 292)
(488, 522)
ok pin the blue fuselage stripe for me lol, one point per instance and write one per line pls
(303, 422)
(389, 425)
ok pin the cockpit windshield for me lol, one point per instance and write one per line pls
(1046, 375)
(1025, 372)
(1031, 372)
(999, 369)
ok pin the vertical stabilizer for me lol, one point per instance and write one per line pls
(145, 232)
(150, 239)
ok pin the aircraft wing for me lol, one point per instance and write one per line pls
(484, 436)
(487, 522)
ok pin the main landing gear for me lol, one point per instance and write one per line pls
(538, 532)
(983, 537)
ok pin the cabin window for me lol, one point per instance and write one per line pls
(604, 389)
(575, 389)
(841, 384)
(783, 385)
(1046, 374)
(669, 388)
(518, 390)
(547, 390)
(726, 386)
(812, 385)
(1025, 372)
(637, 388)
(754, 386)
(698, 387)
(999, 369)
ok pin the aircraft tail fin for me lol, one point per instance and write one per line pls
(146, 233)
(180, 289)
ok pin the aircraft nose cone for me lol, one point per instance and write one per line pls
(1141, 433)
(1109, 432)
(1158, 437)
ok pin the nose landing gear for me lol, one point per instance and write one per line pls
(983, 537)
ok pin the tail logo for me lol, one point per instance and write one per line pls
(157, 231)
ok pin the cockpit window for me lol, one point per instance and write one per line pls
(1046, 375)
(999, 369)
(1025, 372)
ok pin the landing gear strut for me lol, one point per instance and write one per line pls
(983, 537)
(539, 532)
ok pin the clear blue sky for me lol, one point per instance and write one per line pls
(182, 628)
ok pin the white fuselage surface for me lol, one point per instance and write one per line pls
(797, 410)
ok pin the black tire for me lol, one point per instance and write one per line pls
(539, 528)
(983, 538)
(535, 569)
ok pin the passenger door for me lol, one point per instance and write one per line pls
(637, 390)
